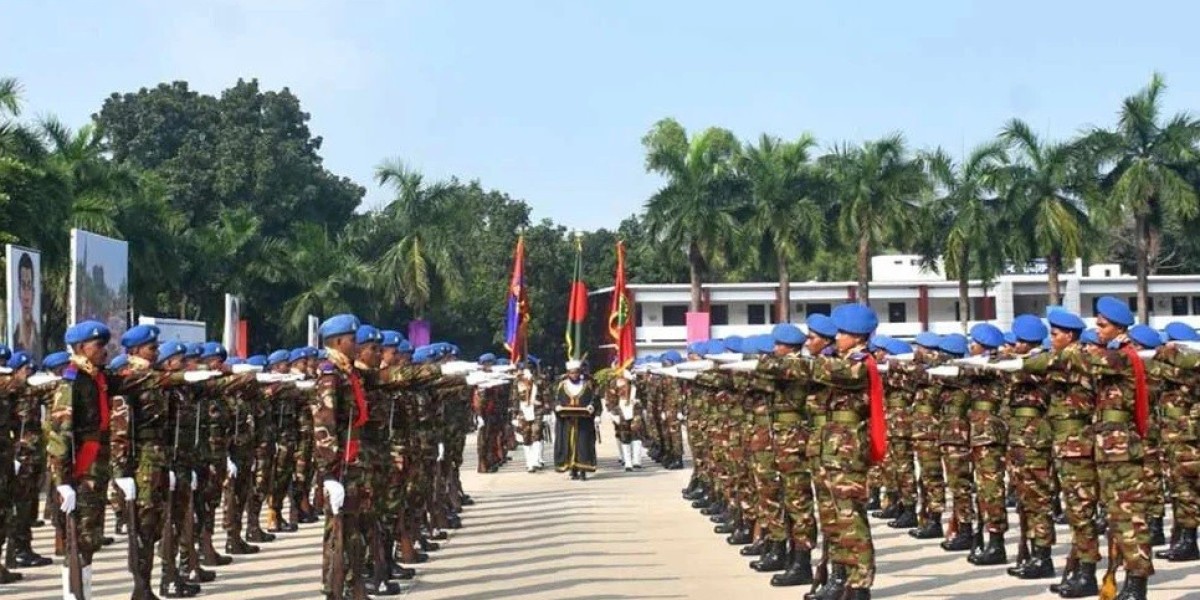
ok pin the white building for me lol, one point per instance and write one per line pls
(907, 298)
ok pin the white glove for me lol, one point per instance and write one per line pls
(441, 451)
(244, 368)
(679, 416)
(16, 467)
(556, 409)
(229, 466)
(195, 481)
(66, 498)
(172, 474)
(127, 487)
(335, 494)
(198, 376)
(479, 421)
(516, 423)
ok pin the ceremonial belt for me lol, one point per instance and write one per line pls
(954, 411)
(737, 412)
(819, 421)
(786, 417)
(847, 417)
(1174, 411)
(922, 408)
(983, 405)
(1068, 424)
(897, 404)
(1115, 416)
(762, 419)
(1027, 412)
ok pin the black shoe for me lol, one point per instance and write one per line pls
(1067, 573)
(287, 527)
(383, 588)
(197, 577)
(453, 522)
(873, 500)
(7, 577)
(1082, 583)
(693, 483)
(26, 559)
(401, 573)
(574, 474)
(238, 547)
(756, 548)
(773, 559)
(1157, 538)
(420, 557)
(993, 553)
(1135, 588)
(703, 502)
(467, 501)
(39, 523)
(259, 536)
(721, 517)
(1185, 549)
(962, 541)
(893, 508)
(583, 476)
(833, 588)
(799, 572)
(713, 509)
(725, 528)
(740, 536)
(178, 589)
(428, 546)
(905, 520)
(1038, 566)
(107, 541)
(931, 530)
(438, 535)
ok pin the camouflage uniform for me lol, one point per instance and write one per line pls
(989, 437)
(289, 404)
(1029, 456)
(30, 452)
(954, 438)
(265, 439)
(899, 473)
(241, 454)
(926, 428)
(1180, 412)
(302, 476)
(9, 427)
(183, 458)
(793, 426)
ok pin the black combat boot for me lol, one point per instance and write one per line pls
(756, 548)
(197, 576)
(1170, 545)
(25, 558)
(873, 500)
(703, 501)
(236, 546)
(1185, 549)
(1038, 566)
(723, 516)
(428, 546)
(930, 530)
(177, 588)
(993, 553)
(1082, 583)
(1100, 521)
(1056, 510)
(740, 536)
(962, 541)
(692, 484)
(834, 587)
(1135, 588)
(799, 571)
(1068, 572)
(382, 588)
(714, 509)
(774, 558)
(857, 594)
(906, 519)
(1157, 538)
(893, 508)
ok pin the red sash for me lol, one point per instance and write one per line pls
(88, 451)
(878, 423)
(1141, 404)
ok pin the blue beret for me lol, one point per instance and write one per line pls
(194, 350)
(118, 361)
(85, 331)
(761, 344)
(695, 348)
(367, 334)
(338, 325)
(235, 360)
(1064, 319)
(878, 342)
(735, 343)
(391, 339)
(258, 360)
(55, 360)
(987, 335)
(1115, 311)
(1181, 332)
(1029, 328)
(18, 360)
(1010, 338)
(821, 325)
(502, 361)
(297, 354)
(213, 349)
(787, 334)
(1089, 336)
(928, 339)
(169, 349)
(895, 346)
(140, 335)
(1145, 335)
(954, 343)
(856, 319)
(421, 355)
(487, 357)
(673, 356)
(312, 352)
(278, 356)
(405, 347)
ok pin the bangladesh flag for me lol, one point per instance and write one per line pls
(576, 307)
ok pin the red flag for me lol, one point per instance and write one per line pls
(517, 310)
(576, 307)
(1141, 394)
(877, 426)
(620, 314)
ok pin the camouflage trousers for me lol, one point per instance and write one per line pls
(392, 501)
(1184, 482)
(153, 482)
(1124, 495)
(302, 474)
(239, 488)
(848, 532)
(826, 509)
(25, 486)
(988, 462)
(208, 495)
(183, 534)
(674, 437)
(7, 493)
(90, 495)
(769, 494)
(796, 477)
(354, 546)
(1029, 471)
(958, 481)
(899, 475)
(1078, 480)
(933, 477)
(1152, 477)
(284, 473)
(264, 467)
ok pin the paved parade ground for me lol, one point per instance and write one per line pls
(616, 536)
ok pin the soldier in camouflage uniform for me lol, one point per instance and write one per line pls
(304, 364)
(926, 428)
(266, 435)
(1180, 412)
(989, 438)
(240, 464)
(289, 401)
(10, 387)
(28, 460)
(900, 384)
(216, 420)
(954, 439)
(673, 406)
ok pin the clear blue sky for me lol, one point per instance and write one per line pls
(548, 101)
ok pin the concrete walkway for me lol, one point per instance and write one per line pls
(616, 536)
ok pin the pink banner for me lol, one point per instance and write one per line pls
(419, 332)
(697, 327)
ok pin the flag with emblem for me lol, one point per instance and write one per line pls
(576, 307)
(620, 314)
(518, 306)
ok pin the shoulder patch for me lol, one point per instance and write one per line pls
(859, 356)
(327, 367)
(70, 373)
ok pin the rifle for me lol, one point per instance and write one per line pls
(821, 577)
(141, 587)
(977, 544)
(1023, 543)
(170, 548)
(74, 566)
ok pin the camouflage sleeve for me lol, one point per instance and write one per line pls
(840, 373)
(121, 437)
(326, 447)
(59, 436)
(1038, 364)
(406, 376)
(792, 368)
(27, 434)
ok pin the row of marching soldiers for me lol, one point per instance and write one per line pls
(367, 431)
(1103, 422)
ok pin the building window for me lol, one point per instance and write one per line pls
(1133, 304)
(756, 314)
(719, 314)
(897, 312)
(674, 315)
(957, 311)
(817, 308)
(637, 315)
(1196, 305)
(1179, 306)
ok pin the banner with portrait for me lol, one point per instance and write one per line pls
(100, 283)
(23, 282)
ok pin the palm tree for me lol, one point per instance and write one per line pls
(421, 220)
(320, 267)
(878, 187)
(1050, 217)
(968, 215)
(693, 212)
(783, 221)
(96, 184)
(1144, 162)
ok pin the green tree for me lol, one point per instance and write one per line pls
(878, 187)
(694, 211)
(1145, 161)
(317, 268)
(1050, 216)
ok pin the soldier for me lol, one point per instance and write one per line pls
(1177, 372)
(487, 409)
(239, 465)
(303, 364)
(527, 414)
(9, 389)
(926, 428)
(28, 461)
(954, 439)
(988, 439)
(288, 402)
(673, 407)
(265, 439)
(216, 421)
(898, 470)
